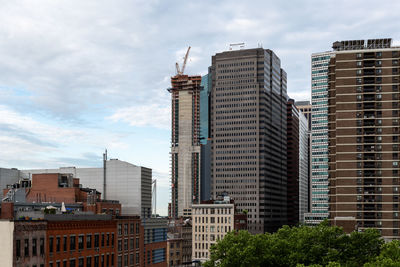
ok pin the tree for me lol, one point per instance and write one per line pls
(322, 245)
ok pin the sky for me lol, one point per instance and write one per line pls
(77, 77)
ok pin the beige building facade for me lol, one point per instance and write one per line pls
(211, 222)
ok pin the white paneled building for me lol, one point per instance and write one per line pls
(128, 183)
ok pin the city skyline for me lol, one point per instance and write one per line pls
(77, 78)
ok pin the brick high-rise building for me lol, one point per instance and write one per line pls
(364, 136)
(248, 131)
(185, 143)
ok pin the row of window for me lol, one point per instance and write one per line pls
(91, 241)
(30, 247)
(131, 244)
(95, 261)
(134, 228)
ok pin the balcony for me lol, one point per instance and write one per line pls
(369, 55)
(369, 63)
(369, 72)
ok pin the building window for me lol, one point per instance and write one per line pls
(108, 240)
(89, 261)
(126, 244)
(119, 261)
(126, 260)
(34, 247)
(72, 242)
(80, 262)
(96, 240)
(137, 228)
(41, 246)
(137, 258)
(89, 241)
(18, 248)
(131, 243)
(58, 245)
(80, 242)
(112, 239)
(51, 244)
(102, 240)
(72, 263)
(119, 245)
(26, 248)
(125, 229)
(65, 243)
(131, 228)
(96, 261)
(137, 243)
(119, 229)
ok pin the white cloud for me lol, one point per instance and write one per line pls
(152, 115)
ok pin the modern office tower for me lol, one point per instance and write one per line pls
(364, 136)
(319, 138)
(305, 108)
(297, 164)
(185, 143)
(304, 167)
(205, 141)
(248, 131)
(128, 183)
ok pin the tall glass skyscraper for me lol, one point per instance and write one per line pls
(319, 138)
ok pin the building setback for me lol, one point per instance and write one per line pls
(248, 132)
(185, 143)
(364, 136)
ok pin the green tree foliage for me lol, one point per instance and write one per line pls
(302, 246)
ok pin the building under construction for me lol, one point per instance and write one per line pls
(185, 143)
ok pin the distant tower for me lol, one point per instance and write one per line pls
(185, 143)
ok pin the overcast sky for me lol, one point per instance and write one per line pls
(77, 77)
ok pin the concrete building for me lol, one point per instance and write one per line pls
(211, 222)
(319, 138)
(185, 143)
(248, 131)
(179, 250)
(8, 176)
(128, 183)
(364, 136)
(7, 242)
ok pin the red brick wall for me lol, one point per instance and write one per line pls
(7, 210)
(68, 228)
(45, 189)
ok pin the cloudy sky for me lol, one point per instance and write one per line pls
(77, 77)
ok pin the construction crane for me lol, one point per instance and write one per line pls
(178, 70)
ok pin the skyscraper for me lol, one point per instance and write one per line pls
(364, 136)
(185, 143)
(297, 164)
(248, 131)
(319, 138)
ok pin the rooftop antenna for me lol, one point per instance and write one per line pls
(178, 70)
